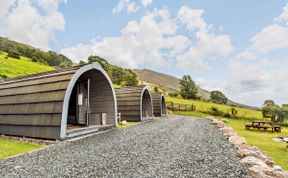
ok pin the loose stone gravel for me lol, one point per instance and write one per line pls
(175, 146)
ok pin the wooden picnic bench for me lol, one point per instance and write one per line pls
(264, 126)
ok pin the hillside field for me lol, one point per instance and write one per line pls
(11, 67)
(202, 106)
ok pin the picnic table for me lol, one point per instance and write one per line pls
(263, 125)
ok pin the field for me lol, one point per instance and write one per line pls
(11, 67)
(206, 106)
(10, 147)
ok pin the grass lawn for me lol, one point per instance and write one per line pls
(11, 147)
(262, 140)
(127, 124)
(205, 106)
(19, 67)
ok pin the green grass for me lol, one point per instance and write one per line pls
(262, 140)
(11, 147)
(11, 67)
(127, 124)
(206, 106)
(116, 86)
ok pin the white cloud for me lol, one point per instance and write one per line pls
(152, 41)
(24, 21)
(146, 2)
(208, 46)
(283, 18)
(259, 72)
(130, 5)
(269, 38)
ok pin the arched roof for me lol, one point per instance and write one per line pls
(130, 100)
(38, 104)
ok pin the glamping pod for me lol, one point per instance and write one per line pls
(159, 104)
(134, 103)
(58, 104)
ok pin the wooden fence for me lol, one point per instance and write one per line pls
(180, 107)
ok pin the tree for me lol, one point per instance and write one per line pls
(82, 62)
(188, 89)
(218, 97)
(274, 111)
(269, 102)
(156, 89)
(13, 54)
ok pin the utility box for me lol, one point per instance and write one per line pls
(80, 99)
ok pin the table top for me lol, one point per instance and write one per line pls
(261, 122)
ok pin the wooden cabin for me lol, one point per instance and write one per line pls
(58, 104)
(134, 103)
(159, 104)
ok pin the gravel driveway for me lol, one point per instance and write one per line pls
(175, 146)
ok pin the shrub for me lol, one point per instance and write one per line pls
(173, 94)
(3, 76)
(227, 115)
(13, 54)
(216, 112)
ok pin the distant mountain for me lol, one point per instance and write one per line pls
(168, 83)
(164, 81)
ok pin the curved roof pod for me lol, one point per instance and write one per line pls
(159, 104)
(134, 103)
(39, 105)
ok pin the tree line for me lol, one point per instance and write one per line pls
(189, 90)
(272, 110)
(118, 75)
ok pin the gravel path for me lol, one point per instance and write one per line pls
(175, 146)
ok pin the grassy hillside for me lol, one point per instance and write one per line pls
(206, 106)
(10, 67)
(165, 81)
(50, 58)
(169, 83)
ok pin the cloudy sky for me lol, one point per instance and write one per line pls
(238, 47)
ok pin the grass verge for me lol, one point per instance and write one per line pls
(10, 148)
(127, 124)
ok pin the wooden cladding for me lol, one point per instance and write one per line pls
(159, 104)
(134, 103)
(32, 105)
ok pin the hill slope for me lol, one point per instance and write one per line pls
(10, 67)
(167, 82)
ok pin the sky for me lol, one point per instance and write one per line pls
(238, 47)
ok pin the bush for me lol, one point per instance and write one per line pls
(3, 76)
(173, 94)
(227, 115)
(216, 112)
(13, 54)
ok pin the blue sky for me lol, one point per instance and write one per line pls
(232, 46)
